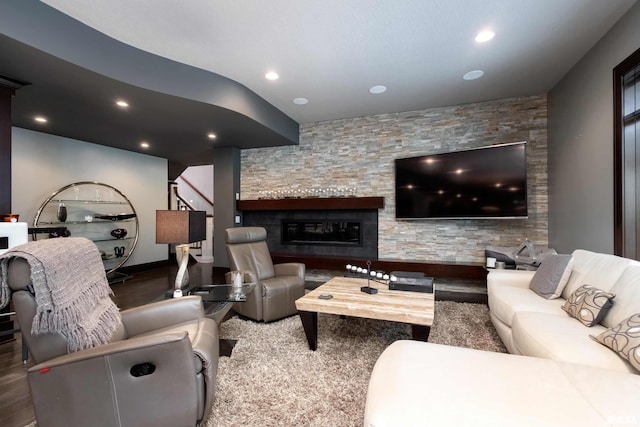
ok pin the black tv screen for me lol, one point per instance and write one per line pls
(488, 182)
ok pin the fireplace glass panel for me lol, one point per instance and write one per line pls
(315, 232)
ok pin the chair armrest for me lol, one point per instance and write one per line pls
(100, 384)
(147, 344)
(513, 278)
(161, 314)
(290, 269)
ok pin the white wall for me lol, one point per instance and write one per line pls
(201, 177)
(580, 143)
(43, 163)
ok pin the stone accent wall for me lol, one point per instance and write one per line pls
(360, 153)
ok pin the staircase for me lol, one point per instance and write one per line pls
(193, 190)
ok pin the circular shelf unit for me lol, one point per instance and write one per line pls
(92, 210)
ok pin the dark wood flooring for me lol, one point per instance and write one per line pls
(16, 409)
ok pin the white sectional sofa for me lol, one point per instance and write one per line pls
(533, 326)
(556, 376)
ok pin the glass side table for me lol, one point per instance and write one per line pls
(217, 301)
(222, 293)
(217, 298)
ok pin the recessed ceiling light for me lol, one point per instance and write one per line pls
(473, 75)
(485, 36)
(40, 119)
(144, 144)
(271, 75)
(122, 104)
(211, 135)
(378, 89)
(300, 101)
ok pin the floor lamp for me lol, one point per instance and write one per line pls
(181, 228)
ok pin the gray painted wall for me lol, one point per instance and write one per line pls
(42, 163)
(580, 143)
(38, 24)
(226, 184)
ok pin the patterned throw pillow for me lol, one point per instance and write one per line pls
(624, 339)
(588, 304)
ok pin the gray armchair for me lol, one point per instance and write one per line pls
(159, 368)
(277, 286)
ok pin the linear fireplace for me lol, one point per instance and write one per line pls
(342, 233)
(321, 232)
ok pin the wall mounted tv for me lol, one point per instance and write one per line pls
(487, 182)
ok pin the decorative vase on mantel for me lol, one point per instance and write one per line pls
(62, 212)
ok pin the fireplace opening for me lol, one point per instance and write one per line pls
(321, 232)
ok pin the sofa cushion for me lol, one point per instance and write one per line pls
(588, 304)
(627, 302)
(599, 269)
(624, 339)
(561, 338)
(552, 276)
(421, 384)
(505, 301)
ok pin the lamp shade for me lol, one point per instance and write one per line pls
(179, 227)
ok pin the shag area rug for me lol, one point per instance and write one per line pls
(273, 379)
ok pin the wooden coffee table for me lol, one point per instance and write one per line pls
(415, 308)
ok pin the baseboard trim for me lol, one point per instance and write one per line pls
(131, 269)
(470, 297)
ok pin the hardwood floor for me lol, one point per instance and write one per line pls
(16, 409)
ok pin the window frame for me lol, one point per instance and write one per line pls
(619, 72)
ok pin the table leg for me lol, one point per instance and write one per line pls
(310, 324)
(226, 346)
(420, 332)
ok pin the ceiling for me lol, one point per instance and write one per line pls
(189, 68)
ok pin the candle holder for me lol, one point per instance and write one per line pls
(371, 275)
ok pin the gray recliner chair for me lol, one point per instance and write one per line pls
(277, 286)
(159, 368)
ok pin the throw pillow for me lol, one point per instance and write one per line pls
(624, 339)
(552, 276)
(588, 304)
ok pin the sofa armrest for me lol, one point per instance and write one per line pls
(161, 314)
(109, 383)
(290, 269)
(513, 278)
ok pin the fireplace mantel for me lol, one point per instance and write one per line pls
(311, 203)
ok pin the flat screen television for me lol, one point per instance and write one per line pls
(487, 182)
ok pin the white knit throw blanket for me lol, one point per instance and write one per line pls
(71, 290)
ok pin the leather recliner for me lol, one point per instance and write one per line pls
(277, 286)
(159, 368)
